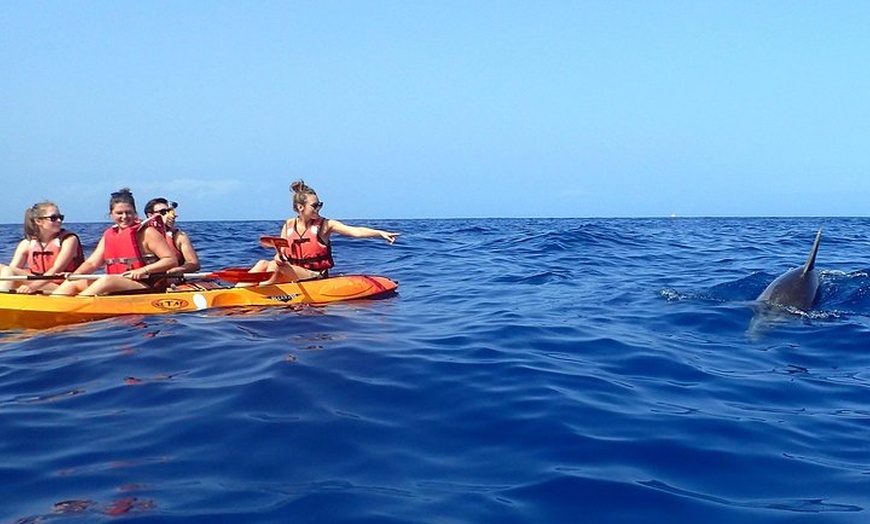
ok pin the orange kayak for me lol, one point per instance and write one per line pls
(18, 311)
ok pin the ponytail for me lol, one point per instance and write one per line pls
(30, 228)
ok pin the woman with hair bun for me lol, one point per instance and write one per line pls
(308, 253)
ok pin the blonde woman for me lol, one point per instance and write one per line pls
(47, 249)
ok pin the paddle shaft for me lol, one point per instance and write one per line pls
(229, 275)
(50, 277)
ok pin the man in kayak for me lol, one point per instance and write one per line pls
(162, 211)
(47, 249)
(130, 251)
(306, 252)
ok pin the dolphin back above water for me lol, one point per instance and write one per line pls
(797, 287)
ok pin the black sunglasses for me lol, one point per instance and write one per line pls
(53, 218)
(162, 211)
(317, 205)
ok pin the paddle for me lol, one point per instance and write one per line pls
(274, 242)
(50, 277)
(233, 274)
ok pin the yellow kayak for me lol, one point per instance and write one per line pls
(20, 311)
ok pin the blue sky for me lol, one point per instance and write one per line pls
(437, 109)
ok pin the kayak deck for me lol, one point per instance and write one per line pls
(19, 311)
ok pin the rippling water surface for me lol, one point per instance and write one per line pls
(527, 371)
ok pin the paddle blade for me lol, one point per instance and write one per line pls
(241, 274)
(273, 242)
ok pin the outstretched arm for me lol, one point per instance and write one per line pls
(361, 232)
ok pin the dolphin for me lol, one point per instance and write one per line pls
(796, 287)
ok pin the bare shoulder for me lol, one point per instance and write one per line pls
(150, 234)
(330, 224)
(70, 238)
(288, 226)
(20, 252)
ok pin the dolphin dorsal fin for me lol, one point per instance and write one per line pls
(811, 260)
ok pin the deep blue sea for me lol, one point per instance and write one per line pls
(528, 371)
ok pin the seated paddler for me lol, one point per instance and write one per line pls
(162, 211)
(47, 249)
(136, 255)
(305, 250)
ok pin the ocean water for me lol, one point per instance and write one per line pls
(528, 371)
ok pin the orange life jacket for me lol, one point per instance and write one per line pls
(40, 257)
(308, 250)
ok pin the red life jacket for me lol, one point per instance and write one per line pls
(41, 257)
(121, 251)
(308, 250)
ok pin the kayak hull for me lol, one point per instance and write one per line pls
(18, 311)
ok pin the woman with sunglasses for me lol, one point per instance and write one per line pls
(130, 251)
(161, 212)
(47, 249)
(308, 251)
